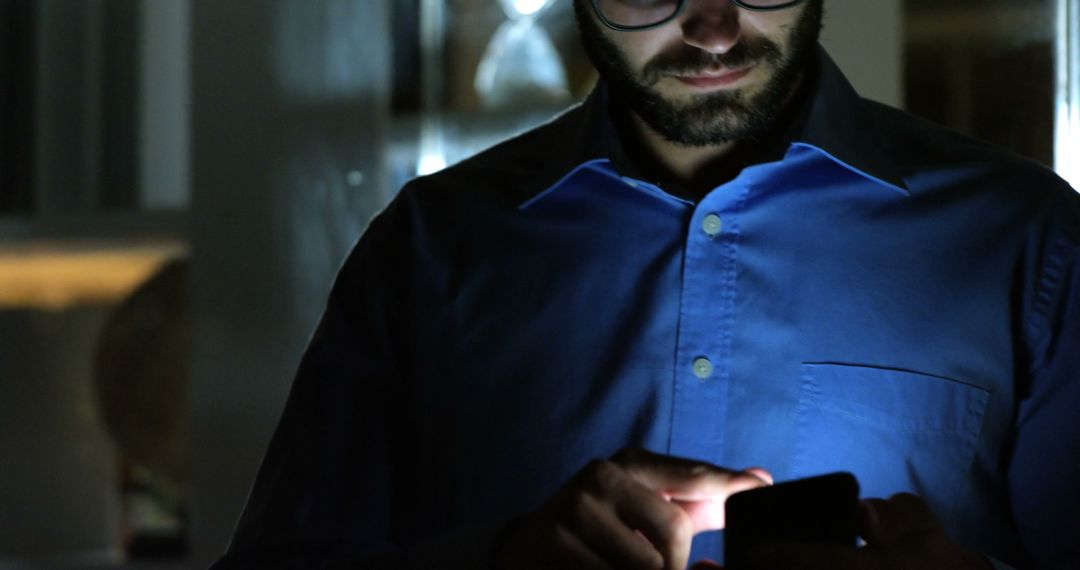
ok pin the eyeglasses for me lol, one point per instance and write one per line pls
(634, 15)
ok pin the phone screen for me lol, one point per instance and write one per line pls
(819, 509)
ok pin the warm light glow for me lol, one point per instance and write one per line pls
(57, 277)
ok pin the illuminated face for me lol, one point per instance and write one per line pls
(717, 73)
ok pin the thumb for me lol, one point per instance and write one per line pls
(707, 511)
(685, 479)
(699, 488)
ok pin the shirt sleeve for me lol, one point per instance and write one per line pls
(1044, 472)
(332, 489)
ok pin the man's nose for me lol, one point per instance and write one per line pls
(711, 25)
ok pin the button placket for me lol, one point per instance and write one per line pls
(700, 404)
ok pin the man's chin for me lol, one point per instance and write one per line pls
(701, 137)
(703, 101)
(675, 92)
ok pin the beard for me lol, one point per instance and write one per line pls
(711, 118)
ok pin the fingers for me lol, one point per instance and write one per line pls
(704, 515)
(670, 499)
(667, 527)
(887, 522)
(760, 473)
(639, 510)
(700, 489)
(612, 539)
(665, 530)
(573, 552)
(687, 480)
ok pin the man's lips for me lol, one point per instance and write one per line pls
(713, 79)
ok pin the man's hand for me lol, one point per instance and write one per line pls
(637, 510)
(901, 533)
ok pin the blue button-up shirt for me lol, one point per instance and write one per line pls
(885, 298)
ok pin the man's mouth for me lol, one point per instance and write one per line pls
(713, 79)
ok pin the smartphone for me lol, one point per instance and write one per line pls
(819, 509)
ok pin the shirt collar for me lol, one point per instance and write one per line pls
(835, 124)
(839, 125)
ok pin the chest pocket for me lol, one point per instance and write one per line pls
(895, 430)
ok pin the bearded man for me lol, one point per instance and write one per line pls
(567, 351)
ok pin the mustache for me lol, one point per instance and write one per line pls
(687, 60)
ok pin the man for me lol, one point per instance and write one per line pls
(567, 351)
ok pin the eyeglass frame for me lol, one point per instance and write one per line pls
(678, 12)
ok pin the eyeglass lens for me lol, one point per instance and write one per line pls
(643, 13)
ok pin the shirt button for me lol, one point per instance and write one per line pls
(712, 225)
(703, 368)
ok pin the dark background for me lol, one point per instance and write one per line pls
(253, 140)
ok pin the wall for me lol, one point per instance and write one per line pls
(866, 38)
(58, 488)
(164, 122)
(289, 111)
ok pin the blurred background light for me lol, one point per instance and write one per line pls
(1067, 120)
(430, 163)
(59, 277)
(529, 7)
(521, 66)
